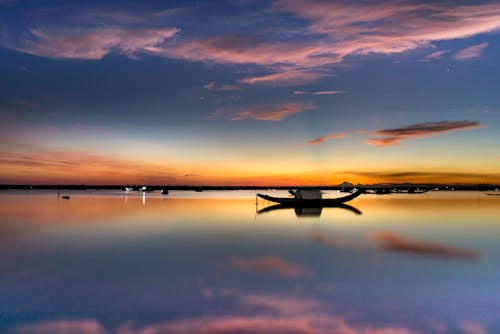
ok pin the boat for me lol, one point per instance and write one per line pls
(164, 191)
(310, 198)
(65, 197)
(412, 191)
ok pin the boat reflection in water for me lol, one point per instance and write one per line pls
(308, 211)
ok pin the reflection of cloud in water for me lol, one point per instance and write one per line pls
(257, 314)
(394, 242)
(321, 239)
(471, 327)
(270, 265)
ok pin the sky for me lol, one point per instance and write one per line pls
(246, 92)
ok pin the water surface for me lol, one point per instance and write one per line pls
(110, 262)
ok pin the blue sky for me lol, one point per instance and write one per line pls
(249, 92)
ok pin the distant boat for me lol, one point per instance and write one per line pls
(164, 191)
(127, 189)
(146, 189)
(65, 197)
(413, 191)
(380, 191)
(310, 198)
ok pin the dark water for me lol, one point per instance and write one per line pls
(106, 262)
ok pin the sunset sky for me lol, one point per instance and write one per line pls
(249, 92)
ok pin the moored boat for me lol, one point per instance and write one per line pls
(310, 199)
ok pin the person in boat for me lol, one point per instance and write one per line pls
(307, 194)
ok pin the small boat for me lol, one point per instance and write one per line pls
(412, 191)
(310, 198)
(65, 197)
(164, 191)
(127, 189)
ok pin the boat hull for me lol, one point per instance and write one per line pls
(310, 203)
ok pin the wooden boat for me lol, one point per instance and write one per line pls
(311, 202)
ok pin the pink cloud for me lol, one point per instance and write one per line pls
(272, 113)
(63, 327)
(340, 30)
(271, 265)
(321, 92)
(395, 135)
(95, 43)
(229, 49)
(382, 142)
(471, 52)
(280, 304)
(209, 85)
(435, 55)
(332, 32)
(286, 78)
(229, 88)
(392, 27)
(322, 139)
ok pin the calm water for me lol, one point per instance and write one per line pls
(106, 262)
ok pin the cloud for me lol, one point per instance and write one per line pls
(271, 113)
(209, 85)
(420, 130)
(94, 43)
(229, 88)
(286, 78)
(293, 56)
(382, 142)
(321, 92)
(391, 27)
(335, 31)
(428, 177)
(435, 55)
(270, 265)
(393, 242)
(322, 139)
(328, 34)
(280, 304)
(83, 326)
(471, 52)
(31, 163)
(472, 327)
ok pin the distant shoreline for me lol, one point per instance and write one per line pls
(394, 186)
